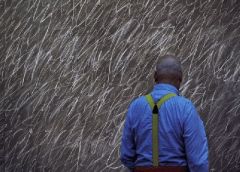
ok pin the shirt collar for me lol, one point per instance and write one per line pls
(167, 87)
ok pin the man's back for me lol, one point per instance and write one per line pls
(182, 139)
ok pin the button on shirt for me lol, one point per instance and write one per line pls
(182, 137)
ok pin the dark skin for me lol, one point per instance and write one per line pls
(168, 70)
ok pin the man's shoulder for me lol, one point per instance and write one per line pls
(137, 105)
(138, 101)
(184, 102)
(141, 100)
(183, 99)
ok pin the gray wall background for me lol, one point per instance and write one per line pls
(70, 68)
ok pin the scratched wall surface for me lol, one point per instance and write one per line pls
(70, 68)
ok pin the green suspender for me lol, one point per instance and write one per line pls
(155, 108)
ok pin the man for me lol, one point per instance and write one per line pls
(180, 143)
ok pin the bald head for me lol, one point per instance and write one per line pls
(168, 70)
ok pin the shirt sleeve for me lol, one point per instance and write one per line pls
(195, 140)
(128, 149)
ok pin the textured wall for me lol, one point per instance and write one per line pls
(69, 69)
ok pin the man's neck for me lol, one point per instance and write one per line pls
(169, 82)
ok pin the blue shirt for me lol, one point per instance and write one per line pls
(182, 137)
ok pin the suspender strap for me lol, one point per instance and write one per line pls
(155, 108)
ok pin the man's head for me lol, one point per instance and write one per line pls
(168, 70)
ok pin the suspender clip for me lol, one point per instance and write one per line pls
(155, 109)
